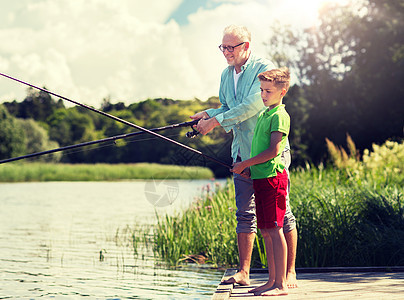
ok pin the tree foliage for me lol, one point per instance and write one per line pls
(38, 105)
(349, 69)
(37, 140)
(12, 137)
(69, 126)
(350, 72)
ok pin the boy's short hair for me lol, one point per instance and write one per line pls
(239, 31)
(280, 77)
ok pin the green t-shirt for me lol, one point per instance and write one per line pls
(276, 119)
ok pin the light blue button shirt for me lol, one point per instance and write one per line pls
(239, 111)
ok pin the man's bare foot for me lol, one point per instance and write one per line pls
(259, 289)
(276, 291)
(242, 278)
(291, 280)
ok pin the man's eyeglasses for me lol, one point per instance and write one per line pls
(229, 48)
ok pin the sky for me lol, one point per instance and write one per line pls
(130, 50)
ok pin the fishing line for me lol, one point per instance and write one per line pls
(113, 144)
(106, 145)
(122, 121)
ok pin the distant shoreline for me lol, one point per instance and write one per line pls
(38, 172)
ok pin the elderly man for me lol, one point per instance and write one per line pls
(241, 103)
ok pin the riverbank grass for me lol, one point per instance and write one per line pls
(23, 172)
(348, 215)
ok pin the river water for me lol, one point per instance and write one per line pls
(64, 240)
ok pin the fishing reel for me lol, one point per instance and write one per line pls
(192, 134)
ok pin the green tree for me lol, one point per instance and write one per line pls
(12, 137)
(37, 140)
(37, 105)
(350, 69)
(70, 126)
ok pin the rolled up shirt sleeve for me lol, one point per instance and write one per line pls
(239, 111)
(250, 106)
(233, 111)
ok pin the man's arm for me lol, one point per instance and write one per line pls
(250, 105)
(228, 117)
(207, 118)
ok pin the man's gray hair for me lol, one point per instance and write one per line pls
(239, 31)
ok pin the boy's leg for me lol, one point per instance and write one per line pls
(280, 257)
(271, 264)
(270, 207)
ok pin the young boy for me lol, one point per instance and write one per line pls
(270, 179)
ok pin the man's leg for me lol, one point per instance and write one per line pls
(291, 241)
(245, 243)
(246, 228)
(289, 231)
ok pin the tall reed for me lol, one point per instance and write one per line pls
(205, 232)
(345, 217)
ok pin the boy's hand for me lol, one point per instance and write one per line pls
(238, 167)
(246, 173)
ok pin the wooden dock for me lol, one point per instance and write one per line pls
(326, 283)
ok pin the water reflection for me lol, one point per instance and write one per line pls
(65, 239)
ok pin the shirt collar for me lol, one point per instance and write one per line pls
(270, 112)
(246, 64)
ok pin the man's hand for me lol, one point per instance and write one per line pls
(205, 126)
(200, 115)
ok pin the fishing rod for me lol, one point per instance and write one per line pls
(122, 121)
(112, 138)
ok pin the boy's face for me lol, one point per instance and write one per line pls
(271, 94)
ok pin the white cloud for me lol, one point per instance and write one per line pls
(87, 50)
(93, 49)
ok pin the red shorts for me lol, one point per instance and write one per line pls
(270, 200)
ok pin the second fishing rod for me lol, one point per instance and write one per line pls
(122, 121)
(189, 134)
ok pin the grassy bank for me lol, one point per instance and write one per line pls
(21, 172)
(351, 215)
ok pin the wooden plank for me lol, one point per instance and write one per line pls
(223, 291)
(335, 285)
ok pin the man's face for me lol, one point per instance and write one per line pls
(239, 54)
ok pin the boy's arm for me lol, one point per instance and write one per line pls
(271, 152)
